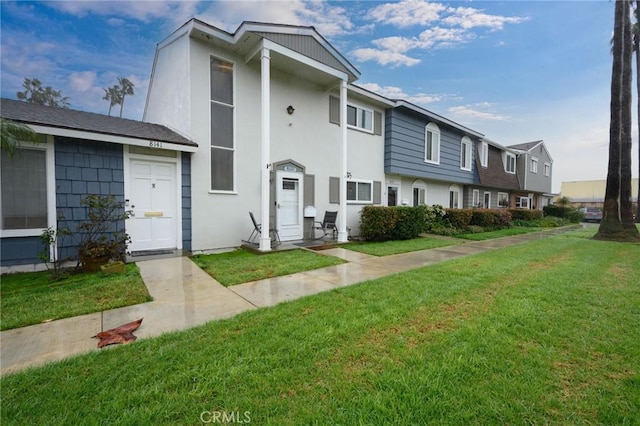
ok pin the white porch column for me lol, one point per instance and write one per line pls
(342, 211)
(265, 139)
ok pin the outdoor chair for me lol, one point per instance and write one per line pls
(257, 230)
(327, 224)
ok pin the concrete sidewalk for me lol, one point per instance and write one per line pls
(184, 296)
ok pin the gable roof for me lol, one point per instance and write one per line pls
(60, 121)
(434, 116)
(527, 146)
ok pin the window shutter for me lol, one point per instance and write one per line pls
(377, 192)
(377, 123)
(334, 110)
(334, 190)
(309, 190)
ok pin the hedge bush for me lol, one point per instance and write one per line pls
(379, 223)
(521, 214)
(491, 218)
(572, 214)
(459, 218)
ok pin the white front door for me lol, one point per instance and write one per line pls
(289, 205)
(152, 200)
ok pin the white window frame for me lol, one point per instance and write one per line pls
(509, 156)
(422, 193)
(484, 154)
(359, 124)
(51, 191)
(358, 200)
(519, 203)
(547, 169)
(475, 198)
(434, 130)
(534, 165)
(233, 131)
(504, 195)
(465, 153)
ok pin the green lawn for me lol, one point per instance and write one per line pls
(241, 266)
(546, 332)
(388, 248)
(507, 232)
(31, 298)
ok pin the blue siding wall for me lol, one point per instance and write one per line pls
(84, 168)
(20, 251)
(186, 201)
(404, 149)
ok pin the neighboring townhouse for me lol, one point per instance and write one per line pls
(497, 185)
(147, 165)
(534, 167)
(279, 128)
(429, 159)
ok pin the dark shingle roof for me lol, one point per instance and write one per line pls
(62, 118)
(527, 146)
(494, 175)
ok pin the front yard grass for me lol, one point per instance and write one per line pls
(387, 248)
(241, 266)
(507, 232)
(32, 298)
(546, 332)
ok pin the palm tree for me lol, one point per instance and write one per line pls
(126, 88)
(636, 48)
(12, 133)
(112, 94)
(617, 221)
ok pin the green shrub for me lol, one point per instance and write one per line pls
(409, 223)
(572, 214)
(474, 229)
(521, 214)
(459, 218)
(434, 217)
(377, 223)
(491, 218)
(445, 230)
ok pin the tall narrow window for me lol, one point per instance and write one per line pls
(432, 144)
(222, 132)
(510, 163)
(453, 199)
(465, 153)
(484, 154)
(24, 190)
(534, 165)
(547, 169)
(419, 196)
(476, 198)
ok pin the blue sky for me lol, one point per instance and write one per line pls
(516, 71)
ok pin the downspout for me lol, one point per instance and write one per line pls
(265, 145)
(342, 215)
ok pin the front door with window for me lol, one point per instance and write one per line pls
(289, 205)
(152, 200)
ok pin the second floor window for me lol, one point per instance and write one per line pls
(360, 118)
(432, 144)
(465, 153)
(534, 165)
(547, 169)
(222, 133)
(484, 154)
(510, 163)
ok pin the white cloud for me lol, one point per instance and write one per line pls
(82, 81)
(443, 37)
(143, 10)
(384, 57)
(395, 92)
(474, 113)
(468, 17)
(407, 13)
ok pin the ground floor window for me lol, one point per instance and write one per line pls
(392, 195)
(475, 199)
(361, 191)
(487, 200)
(419, 196)
(523, 202)
(24, 189)
(503, 200)
(453, 199)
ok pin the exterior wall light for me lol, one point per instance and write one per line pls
(290, 110)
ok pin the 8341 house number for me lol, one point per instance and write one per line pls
(155, 144)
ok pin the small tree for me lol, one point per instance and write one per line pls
(112, 94)
(126, 88)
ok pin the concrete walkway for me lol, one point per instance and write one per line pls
(184, 296)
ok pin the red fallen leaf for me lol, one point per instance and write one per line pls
(121, 334)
